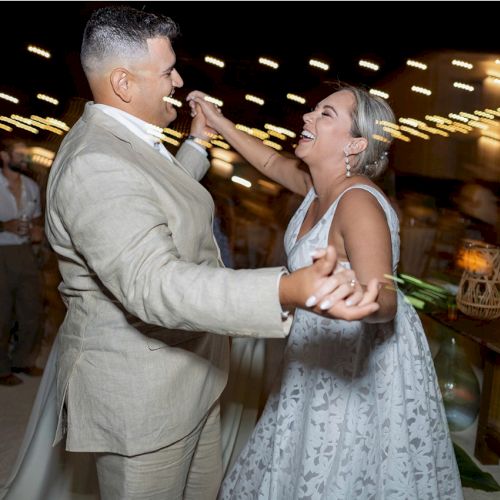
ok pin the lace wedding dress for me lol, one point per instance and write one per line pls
(358, 414)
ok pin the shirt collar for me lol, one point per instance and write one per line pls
(145, 131)
(5, 182)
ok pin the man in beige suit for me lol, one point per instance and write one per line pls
(143, 350)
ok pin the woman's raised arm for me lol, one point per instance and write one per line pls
(283, 170)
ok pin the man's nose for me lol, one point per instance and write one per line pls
(177, 80)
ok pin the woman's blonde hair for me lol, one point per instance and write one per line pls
(368, 115)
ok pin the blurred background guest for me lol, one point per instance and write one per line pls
(20, 298)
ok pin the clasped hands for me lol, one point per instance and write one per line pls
(329, 290)
(206, 122)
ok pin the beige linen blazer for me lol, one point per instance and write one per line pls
(142, 350)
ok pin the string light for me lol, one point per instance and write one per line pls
(38, 51)
(380, 138)
(173, 132)
(214, 100)
(241, 181)
(387, 124)
(416, 64)
(421, 90)
(273, 145)
(281, 130)
(369, 65)
(319, 64)
(8, 97)
(47, 98)
(255, 99)
(221, 144)
(173, 101)
(278, 135)
(268, 62)
(296, 98)
(379, 93)
(462, 64)
(214, 61)
(463, 86)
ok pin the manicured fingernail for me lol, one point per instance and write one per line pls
(325, 305)
(311, 301)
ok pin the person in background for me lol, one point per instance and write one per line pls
(357, 412)
(20, 293)
(479, 203)
(143, 350)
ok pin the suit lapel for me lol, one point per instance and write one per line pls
(171, 171)
(122, 133)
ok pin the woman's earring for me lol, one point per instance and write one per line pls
(347, 165)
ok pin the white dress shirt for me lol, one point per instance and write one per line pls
(29, 206)
(146, 131)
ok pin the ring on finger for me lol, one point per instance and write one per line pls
(353, 283)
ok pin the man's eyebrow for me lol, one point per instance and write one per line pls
(170, 68)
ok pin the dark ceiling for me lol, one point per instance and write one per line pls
(340, 33)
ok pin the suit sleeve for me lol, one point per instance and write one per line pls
(115, 222)
(195, 162)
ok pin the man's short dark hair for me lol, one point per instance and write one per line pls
(122, 31)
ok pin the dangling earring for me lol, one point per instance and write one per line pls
(347, 165)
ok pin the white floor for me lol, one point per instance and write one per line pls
(15, 406)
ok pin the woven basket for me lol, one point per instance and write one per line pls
(478, 293)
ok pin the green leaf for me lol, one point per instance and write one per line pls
(423, 284)
(471, 475)
(418, 304)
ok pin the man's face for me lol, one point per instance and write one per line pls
(154, 78)
(19, 158)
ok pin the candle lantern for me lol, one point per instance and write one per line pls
(478, 293)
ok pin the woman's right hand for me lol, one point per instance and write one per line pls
(342, 296)
(318, 289)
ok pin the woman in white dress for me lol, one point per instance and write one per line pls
(357, 413)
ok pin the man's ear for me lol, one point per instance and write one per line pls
(120, 80)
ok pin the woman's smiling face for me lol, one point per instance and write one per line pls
(327, 128)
